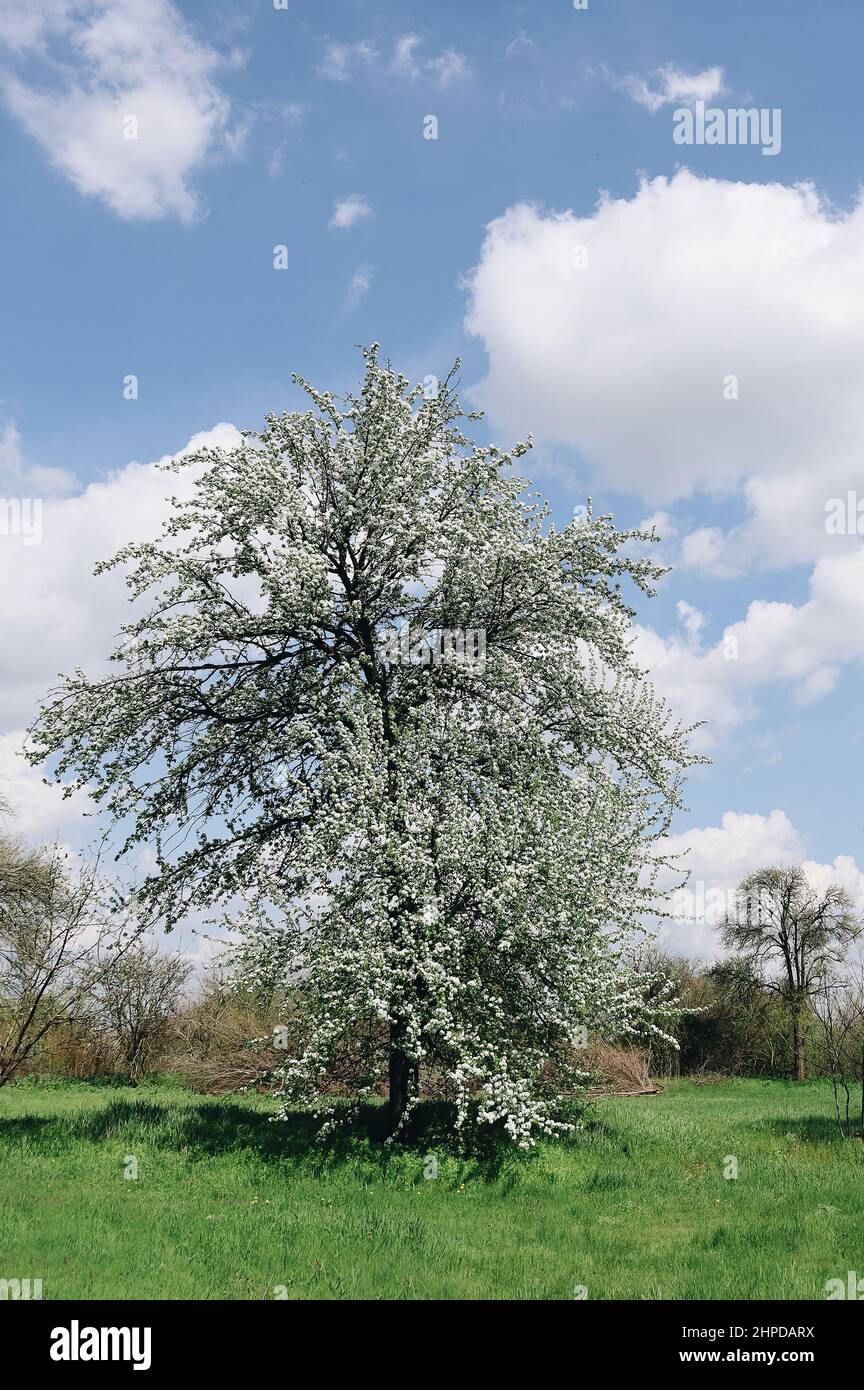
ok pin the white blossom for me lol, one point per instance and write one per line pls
(445, 864)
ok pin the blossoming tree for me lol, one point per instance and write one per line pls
(442, 844)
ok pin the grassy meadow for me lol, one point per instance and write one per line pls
(230, 1205)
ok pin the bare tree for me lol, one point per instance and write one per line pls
(138, 995)
(58, 933)
(838, 1006)
(792, 937)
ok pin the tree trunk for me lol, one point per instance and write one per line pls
(797, 1045)
(403, 1076)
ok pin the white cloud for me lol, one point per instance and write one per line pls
(522, 46)
(39, 812)
(404, 61)
(361, 283)
(804, 647)
(742, 843)
(18, 477)
(26, 27)
(718, 857)
(278, 116)
(662, 522)
(449, 67)
(106, 65)
(706, 549)
(691, 619)
(343, 61)
(687, 284)
(348, 211)
(673, 85)
(62, 616)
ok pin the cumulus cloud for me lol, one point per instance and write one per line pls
(62, 616)
(670, 84)
(126, 103)
(721, 313)
(39, 812)
(25, 27)
(19, 477)
(739, 845)
(348, 211)
(718, 857)
(801, 646)
(691, 619)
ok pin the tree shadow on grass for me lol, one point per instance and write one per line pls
(218, 1126)
(810, 1129)
(40, 1132)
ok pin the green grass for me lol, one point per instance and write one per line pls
(228, 1204)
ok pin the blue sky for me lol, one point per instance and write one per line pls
(256, 125)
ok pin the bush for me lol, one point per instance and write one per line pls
(618, 1068)
(223, 1041)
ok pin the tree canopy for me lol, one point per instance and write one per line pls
(792, 937)
(379, 699)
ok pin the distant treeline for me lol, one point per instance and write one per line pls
(733, 1025)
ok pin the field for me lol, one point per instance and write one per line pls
(227, 1204)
